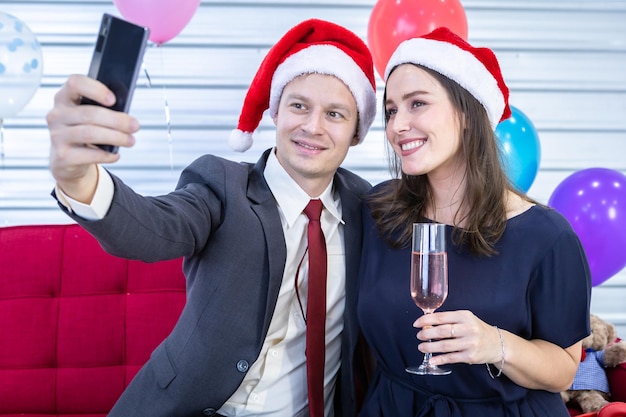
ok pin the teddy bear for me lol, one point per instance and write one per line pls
(590, 390)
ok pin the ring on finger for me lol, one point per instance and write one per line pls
(452, 330)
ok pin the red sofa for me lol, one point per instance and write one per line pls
(76, 323)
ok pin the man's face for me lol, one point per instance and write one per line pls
(316, 123)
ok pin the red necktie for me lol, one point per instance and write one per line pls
(316, 310)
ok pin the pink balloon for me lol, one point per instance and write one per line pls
(165, 18)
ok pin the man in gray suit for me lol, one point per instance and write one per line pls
(239, 345)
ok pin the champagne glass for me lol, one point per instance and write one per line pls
(429, 279)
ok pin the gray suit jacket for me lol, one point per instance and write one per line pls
(223, 219)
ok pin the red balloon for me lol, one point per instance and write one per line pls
(394, 21)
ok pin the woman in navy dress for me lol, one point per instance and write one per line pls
(517, 309)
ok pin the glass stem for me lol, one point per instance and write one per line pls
(427, 355)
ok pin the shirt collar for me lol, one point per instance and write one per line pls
(290, 197)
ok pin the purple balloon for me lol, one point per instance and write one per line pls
(594, 202)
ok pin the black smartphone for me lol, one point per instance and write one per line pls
(117, 59)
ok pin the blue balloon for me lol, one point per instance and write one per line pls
(520, 147)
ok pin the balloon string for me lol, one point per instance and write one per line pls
(167, 112)
(145, 70)
(167, 115)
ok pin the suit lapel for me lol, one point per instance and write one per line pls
(351, 214)
(264, 205)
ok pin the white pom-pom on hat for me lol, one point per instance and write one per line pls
(240, 141)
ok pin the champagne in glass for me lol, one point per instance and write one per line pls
(429, 279)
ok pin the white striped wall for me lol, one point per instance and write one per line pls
(565, 62)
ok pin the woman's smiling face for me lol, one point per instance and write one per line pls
(422, 125)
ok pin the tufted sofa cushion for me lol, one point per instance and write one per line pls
(76, 323)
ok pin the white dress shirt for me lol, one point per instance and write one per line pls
(275, 385)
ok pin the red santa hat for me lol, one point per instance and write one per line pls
(313, 46)
(475, 69)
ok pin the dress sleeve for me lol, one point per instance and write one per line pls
(560, 293)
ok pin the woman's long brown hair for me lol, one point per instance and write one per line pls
(404, 201)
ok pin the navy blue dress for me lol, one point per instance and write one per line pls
(538, 287)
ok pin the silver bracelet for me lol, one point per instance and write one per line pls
(503, 356)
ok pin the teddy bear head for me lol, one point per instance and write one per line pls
(602, 334)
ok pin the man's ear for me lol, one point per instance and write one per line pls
(355, 138)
